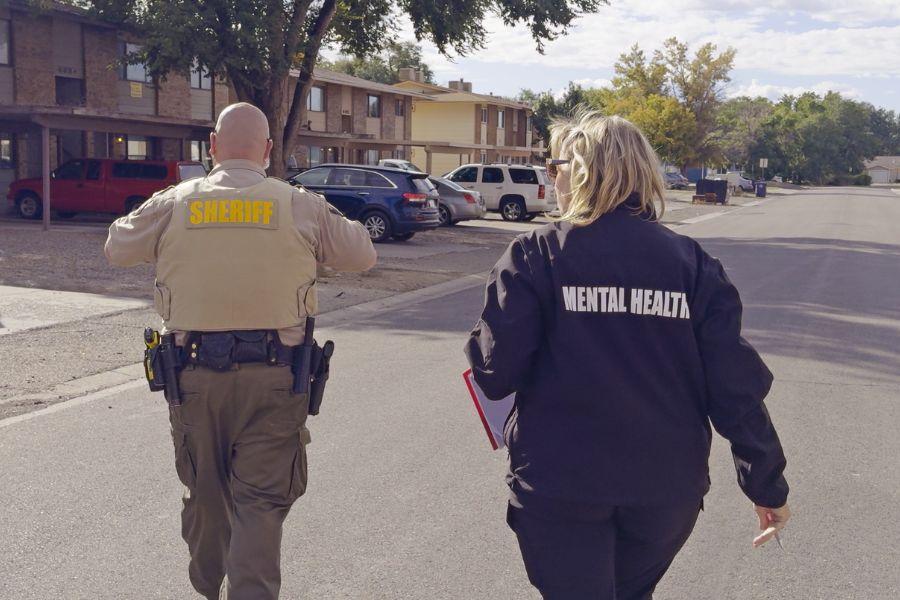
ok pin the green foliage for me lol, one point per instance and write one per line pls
(739, 122)
(385, 66)
(547, 108)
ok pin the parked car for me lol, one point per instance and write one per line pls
(397, 163)
(457, 203)
(391, 203)
(676, 181)
(99, 185)
(735, 180)
(518, 192)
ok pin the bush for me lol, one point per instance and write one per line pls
(861, 179)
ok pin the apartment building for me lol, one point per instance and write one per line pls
(60, 85)
(353, 120)
(456, 126)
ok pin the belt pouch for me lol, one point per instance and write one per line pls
(216, 350)
(251, 346)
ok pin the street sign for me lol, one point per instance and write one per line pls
(764, 162)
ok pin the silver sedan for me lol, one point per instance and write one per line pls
(457, 203)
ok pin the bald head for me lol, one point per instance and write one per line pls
(242, 132)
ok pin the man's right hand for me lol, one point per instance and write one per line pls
(771, 521)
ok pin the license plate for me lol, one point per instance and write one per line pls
(431, 204)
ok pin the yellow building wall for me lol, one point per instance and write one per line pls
(443, 121)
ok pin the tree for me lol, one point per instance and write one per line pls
(256, 44)
(547, 108)
(668, 125)
(384, 67)
(739, 123)
(698, 83)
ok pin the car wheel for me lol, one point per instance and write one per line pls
(446, 217)
(378, 225)
(403, 237)
(512, 210)
(30, 206)
(65, 214)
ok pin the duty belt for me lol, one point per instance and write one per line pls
(222, 349)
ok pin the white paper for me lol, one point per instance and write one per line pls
(493, 413)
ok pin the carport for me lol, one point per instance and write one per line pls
(41, 121)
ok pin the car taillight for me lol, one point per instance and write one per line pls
(541, 192)
(410, 198)
(470, 198)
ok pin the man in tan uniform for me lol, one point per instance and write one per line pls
(237, 252)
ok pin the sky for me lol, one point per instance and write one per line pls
(783, 46)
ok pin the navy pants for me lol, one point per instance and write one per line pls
(601, 552)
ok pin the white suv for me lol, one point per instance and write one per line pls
(518, 192)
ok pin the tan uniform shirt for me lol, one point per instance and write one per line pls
(338, 243)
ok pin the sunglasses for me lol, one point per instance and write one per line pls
(553, 166)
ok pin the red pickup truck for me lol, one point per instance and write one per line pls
(99, 185)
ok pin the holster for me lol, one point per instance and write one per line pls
(162, 363)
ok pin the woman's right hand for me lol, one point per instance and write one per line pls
(771, 521)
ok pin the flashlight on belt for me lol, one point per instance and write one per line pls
(151, 341)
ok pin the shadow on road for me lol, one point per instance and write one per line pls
(832, 301)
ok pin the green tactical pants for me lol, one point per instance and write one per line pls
(240, 450)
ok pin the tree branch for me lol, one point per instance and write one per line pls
(294, 29)
(310, 53)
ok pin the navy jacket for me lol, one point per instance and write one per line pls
(622, 341)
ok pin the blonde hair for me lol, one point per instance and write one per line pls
(610, 160)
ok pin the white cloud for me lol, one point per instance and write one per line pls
(774, 92)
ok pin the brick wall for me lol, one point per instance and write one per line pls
(360, 110)
(33, 56)
(173, 97)
(223, 95)
(388, 116)
(100, 73)
(333, 98)
(170, 149)
(478, 124)
(492, 126)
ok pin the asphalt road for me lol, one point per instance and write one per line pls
(406, 500)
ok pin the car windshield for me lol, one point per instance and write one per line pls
(423, 186)
(186, 172)
(448, 183)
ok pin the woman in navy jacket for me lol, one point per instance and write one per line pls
(622, 342)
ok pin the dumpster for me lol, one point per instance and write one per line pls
(719, 187)
(760, 189)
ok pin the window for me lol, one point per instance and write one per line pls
(69, 91)
(523, 176)
(313, 177)
(315, 156)
(465, 175)
(377, 180)
(372, 157)
(501, 119)
(200, 151)
(93, 170)
(136, 170)
(70, 170)
(484, 115)
(186, 172)
(374, 106)
(4, 42)
(399, 153)
(492, 175)
(400, 107)
(136, 72)
(315, 102)
(200, 77)
(137, 147)
(483, 158)
(6, 145)
(347, 178)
